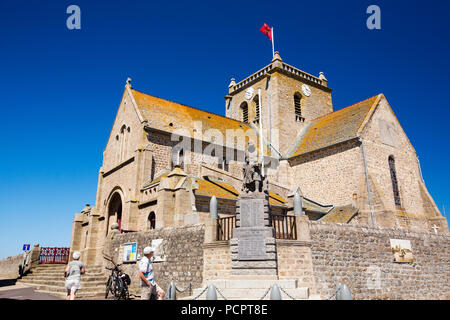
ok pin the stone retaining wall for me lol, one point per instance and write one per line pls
(9, 267)
(183, 249)
(361, 257)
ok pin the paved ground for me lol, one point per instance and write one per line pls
(21, 292)
(9, 289)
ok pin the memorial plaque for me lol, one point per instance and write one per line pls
(252, 249)
(252, 213)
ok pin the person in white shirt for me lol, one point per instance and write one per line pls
(73, 273)
(148, 284)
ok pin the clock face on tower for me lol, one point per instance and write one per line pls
(306, 90)
(249, 93)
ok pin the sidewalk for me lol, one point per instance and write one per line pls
(9, 289)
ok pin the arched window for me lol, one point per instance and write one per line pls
(394, 181)
(298, 107)
(178, 159)
(257, 111)
(151, 223)
(223, 164)
(123, 139)
(244, 110)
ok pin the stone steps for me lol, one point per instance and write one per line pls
(80, 294)
(254, 289)
(50, 279)
(61, 270)
(61, 283)
(60, 277)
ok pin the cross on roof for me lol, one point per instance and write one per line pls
(435, 227)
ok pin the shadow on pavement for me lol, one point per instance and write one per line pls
(7, 282)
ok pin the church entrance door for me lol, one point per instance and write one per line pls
(115, 211)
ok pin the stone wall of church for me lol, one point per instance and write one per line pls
(183, 256)
(361, 257)
(126, 134)
(332, 175)
(383, 137)
(161, 147)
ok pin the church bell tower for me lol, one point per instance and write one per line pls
(290, 99)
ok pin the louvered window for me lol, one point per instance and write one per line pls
(298, 107)
(244, 108)
(256, 101)
(394, 181)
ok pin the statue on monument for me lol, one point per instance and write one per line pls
(253, 181)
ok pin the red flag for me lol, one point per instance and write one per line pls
(267, 31)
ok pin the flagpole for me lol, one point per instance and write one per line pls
(273, 45)
(260, 133)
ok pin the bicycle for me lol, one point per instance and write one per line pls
(117, 283)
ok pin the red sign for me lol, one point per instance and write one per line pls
(54, 255)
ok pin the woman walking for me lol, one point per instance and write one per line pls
(73, 273)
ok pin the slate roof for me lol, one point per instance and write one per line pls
(333, 128)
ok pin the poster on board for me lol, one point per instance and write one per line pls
(129, 252)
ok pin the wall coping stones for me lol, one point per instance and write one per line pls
(293, 243)
(395, 232)
(216, 244)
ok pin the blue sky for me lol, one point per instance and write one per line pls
(60, 88)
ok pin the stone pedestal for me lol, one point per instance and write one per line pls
(253, 250)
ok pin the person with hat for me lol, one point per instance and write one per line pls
(148, 283)
(73, 273)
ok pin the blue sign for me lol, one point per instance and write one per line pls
(130, 252)
(26, 247)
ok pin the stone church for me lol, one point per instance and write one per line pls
(354, 166)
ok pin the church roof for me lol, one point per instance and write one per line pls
(333, 128)
(171, 116)
(208, 188)
(341, 214)
(223, 190)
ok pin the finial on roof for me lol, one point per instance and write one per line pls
(231, 86)
(128, 82)
(276, 57)
(322, 77)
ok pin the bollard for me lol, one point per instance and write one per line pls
(213, 208)
(172, 292)
(344, 293)
(211, 294)
(298, 209)
(275, 293)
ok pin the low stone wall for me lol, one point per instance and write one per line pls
(362, 258)
(217, 261)
(9, 267)
(183, 248)
(294, 262)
